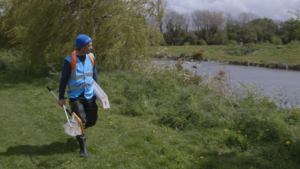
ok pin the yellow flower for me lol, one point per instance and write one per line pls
(201, 157)
(239, 131)
(42, 100)
(126, 152)
(245, 135)
(68, 161)
(93, 149)
(297, 107)
(153, 131)
(191, 158)
(176, 105)
(196, 161)
(287, 142)
(166, 130)
(107, 165)
(267, 129)
(110, 123)
(296, 111)
(225, 130)
(115, 90)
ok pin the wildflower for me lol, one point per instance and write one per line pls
(245, 135)
(42, 100)
(126, 152)
(108, 165)
(267, 129)
(196, 161)
(239, 131)
(166, 130)
(108, 84)
(115, 90)
(153, 131)
(225, 130)
(201, 157)
(296, 111)
(93, 149)
(297, 107)
(68, 161)
(110, 123)
(191, 159)
(287, 142)
(176, 105)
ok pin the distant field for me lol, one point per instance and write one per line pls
(267, 54)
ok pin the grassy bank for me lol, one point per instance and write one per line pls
(261, 54)
(159, 119)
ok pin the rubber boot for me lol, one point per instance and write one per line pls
(83, 152)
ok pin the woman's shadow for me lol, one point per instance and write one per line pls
(45, 150)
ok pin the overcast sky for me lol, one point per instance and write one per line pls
(274, 9)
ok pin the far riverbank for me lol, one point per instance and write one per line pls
(269, 56)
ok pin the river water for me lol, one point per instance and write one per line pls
(275, 82)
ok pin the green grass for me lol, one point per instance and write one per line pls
(160, 119)
(267, 54)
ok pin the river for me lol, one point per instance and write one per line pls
(275, 82)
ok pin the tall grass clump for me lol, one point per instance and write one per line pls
(240, 117)
(198, 55)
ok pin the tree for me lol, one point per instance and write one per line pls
(159, 7)
(118, 28)
(207, 20)
(176, 26)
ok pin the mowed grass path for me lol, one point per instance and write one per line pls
(267, 54)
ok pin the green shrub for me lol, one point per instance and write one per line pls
(276, 40)
(233, 42)
(198, 54)
(201, 42)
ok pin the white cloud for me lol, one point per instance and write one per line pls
(274, 9)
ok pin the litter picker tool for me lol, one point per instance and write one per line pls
(74, 126)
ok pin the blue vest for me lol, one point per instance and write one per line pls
(81, 79)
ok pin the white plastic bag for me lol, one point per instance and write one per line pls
(101, 96)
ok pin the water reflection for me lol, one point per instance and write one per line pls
(282, 83)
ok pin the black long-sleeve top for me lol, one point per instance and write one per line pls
(66, 73)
